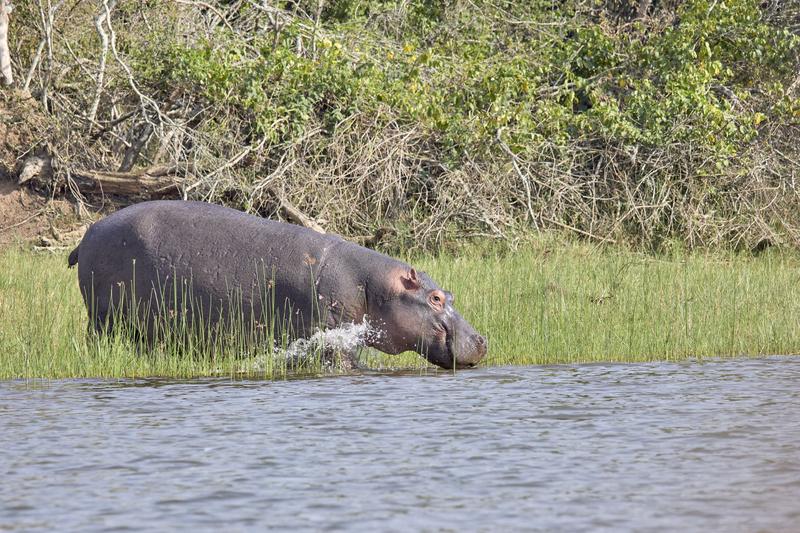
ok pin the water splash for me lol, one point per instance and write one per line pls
(335, 349)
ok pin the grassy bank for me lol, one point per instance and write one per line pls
(542, 304)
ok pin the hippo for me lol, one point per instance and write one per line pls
(149, 259)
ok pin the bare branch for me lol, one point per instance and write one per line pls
(99, 21)
(5, 57)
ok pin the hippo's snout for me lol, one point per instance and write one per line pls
(477, 351)
(465, 348)
(480, 340)
(481, 345)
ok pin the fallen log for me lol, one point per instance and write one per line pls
(154, 182)
(371, 241)
(293, 214)
(157, 182)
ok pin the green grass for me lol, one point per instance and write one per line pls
(543, 304)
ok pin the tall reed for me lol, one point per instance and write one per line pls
(546, 303)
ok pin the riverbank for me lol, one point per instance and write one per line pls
(421, 124)
(546, 303)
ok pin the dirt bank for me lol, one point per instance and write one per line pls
(29, 216)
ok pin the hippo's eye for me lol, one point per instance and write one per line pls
(436, 300)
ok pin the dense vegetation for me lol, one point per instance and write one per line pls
(652, 123)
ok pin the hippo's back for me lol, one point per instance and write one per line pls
(152, 244)
(192, 224)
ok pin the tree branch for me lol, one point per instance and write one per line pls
(101, 74)
(5, 57)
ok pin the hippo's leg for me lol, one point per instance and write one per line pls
(110, 315)
(347, 359)
(98, 311)
(103, 324)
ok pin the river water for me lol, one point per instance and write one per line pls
(693, 446)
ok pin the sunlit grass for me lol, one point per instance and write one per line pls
(573, 303)
(540, 305)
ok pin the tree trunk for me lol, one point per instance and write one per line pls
(138, 142)
(5, 57)
(155, 182)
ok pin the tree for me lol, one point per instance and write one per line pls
(5, 56)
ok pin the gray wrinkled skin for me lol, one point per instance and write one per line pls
(228, 264)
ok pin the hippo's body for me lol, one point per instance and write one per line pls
(227, 264)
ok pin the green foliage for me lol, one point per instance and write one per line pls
(536, 97)
(464, 72)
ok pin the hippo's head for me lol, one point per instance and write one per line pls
(418, 315)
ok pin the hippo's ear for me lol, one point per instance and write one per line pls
(410, 280)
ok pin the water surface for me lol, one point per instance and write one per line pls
(694, 446)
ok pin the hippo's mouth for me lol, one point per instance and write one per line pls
(451, 360)
(452, 353)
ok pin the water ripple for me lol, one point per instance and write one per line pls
(696, 446)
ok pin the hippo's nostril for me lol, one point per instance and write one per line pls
(479, 340)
